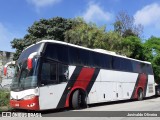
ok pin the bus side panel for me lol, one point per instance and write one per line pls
(150, 86)
(50, 95)
(112, 85)
(93, 95)
(53, 95)
(122, 82)
(127, 89)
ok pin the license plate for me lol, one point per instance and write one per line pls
(17, 105)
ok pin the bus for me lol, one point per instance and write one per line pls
(53, 74)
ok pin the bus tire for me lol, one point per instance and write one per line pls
(140, 94)
(79, 99)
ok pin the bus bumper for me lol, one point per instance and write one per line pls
(30, 104)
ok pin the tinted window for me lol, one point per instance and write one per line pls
(83, 57)
(48, 73)
(57, 52)
(149, 69)
(146, 68)
(101, 60)
(25, 54)
(122, 64)
(136, 67)
(63, 73)
(96, 59)
(143, 67)
(51, 51)
(106, 61)
(73, 55)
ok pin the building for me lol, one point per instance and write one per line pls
(6, 57)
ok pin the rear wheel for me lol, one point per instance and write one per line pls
(140, 94)
(79, 100)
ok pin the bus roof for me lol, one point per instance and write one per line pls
(94, 50)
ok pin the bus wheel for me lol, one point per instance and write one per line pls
(79, 100)
(140, 94)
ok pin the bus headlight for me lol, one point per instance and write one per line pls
(29, 97)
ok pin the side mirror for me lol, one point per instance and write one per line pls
(5, 71)
(6, 65)
(29, 60)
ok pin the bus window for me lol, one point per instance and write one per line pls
(48, 73)
(57, 52)
(51, 51)
(149, 69)
(84, 57)
(63, 73)
(122, 64)
(73, 55)
(136, 67)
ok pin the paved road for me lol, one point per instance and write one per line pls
(150, 104)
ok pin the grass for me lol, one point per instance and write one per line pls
(4, 100)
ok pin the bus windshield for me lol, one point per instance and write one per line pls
(24, 78)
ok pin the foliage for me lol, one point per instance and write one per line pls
(132, 46)
(156, 68)
(4, 98)
(111, 41)
(124, 24)
(124, 39)
(84, 34)
(44, 29)
(153, 54)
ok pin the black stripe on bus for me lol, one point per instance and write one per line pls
(69, 86)
(145, 87)
(135, 87)
(93, 79)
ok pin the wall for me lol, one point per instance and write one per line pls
(6, 57)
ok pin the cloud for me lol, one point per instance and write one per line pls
(42, 3)
(95, 13)
(148, 15)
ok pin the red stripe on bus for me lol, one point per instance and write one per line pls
(142, 80)
(82, 81)
(84, 78)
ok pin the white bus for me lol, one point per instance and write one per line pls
(52, 74)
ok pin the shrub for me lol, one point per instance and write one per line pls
(4, 98)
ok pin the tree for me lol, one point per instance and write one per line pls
(44, 29)
(85, 34)
(152, 53)
(156, 68)
(111, 41)
(124, 25)
(132, 47)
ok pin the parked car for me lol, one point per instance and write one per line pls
(157, 88)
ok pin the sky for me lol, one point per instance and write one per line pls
(17, 15)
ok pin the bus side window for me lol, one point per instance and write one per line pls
(63, 73)
(48, 73)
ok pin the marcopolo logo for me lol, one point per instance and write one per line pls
(14, 114)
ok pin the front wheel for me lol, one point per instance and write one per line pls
(79, 100)
(140, 94)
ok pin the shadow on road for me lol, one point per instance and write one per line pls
(119, 102)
